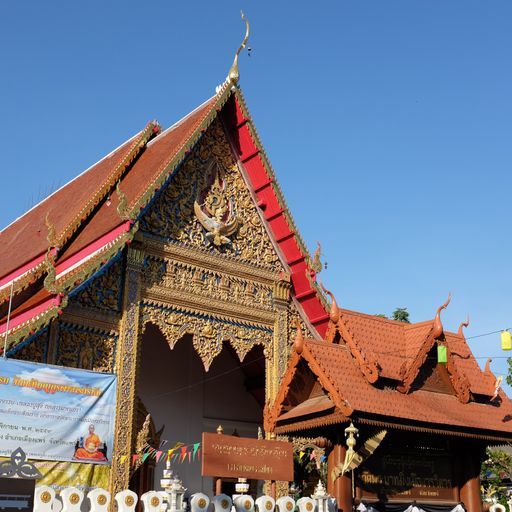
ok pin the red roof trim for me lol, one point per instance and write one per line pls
(88, 251)
(26, 316)
(266, 189)
(31, 265)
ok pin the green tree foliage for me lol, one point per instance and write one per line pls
(401, 314)
(495, 469)
(509, 372)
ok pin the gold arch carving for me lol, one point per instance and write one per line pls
(208, 333)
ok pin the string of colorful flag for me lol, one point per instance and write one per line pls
(179, 453)
(312, 456)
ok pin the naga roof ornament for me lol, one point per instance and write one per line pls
(334, 313)
(234, 75)
(462, 325)
(438, 325)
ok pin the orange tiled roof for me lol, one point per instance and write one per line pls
(396, 346)
(339, 366)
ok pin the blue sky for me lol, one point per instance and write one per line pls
(388, 123)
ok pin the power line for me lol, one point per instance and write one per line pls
(487, 333)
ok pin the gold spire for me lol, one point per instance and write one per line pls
(234, 75)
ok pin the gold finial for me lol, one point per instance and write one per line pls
(234, 75)
(220, 430)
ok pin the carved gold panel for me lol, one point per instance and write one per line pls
(34, 349)
(81, 348)
(208, 333)
(208, 205)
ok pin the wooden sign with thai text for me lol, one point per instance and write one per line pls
(241, 457)
(408, 476)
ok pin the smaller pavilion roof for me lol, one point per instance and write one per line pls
(384, 372)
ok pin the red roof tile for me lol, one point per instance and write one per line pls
(26, 237)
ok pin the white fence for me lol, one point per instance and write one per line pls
(72, 499)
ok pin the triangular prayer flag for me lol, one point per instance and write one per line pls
(123, 458)
(312, 456)
(196, 447)
(442, 354)
(301, 454)
(506, 341)
(158, 455)
(134, 458)
(189, 457)
(144, 457)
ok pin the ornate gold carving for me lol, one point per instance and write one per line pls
(201, 503)
(50, 237)
(155, 501)
(74, 498)
(34, 349)
(103, 292)
(208, 334)
(122, 209)
(196, 285)
(224, 503)
(102, 499)
(80, 348)
(50, 279)
(127, 357)
(171, 217)
(129, 501)
(213, 209)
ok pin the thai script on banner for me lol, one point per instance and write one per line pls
(56, 413)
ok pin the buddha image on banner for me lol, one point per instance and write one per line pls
(56, 413)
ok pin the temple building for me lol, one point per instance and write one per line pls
(174, 262)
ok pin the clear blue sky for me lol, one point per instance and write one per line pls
(388, 122)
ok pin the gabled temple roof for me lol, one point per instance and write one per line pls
(69, 236)
(394, 351)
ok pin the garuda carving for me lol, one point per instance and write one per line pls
(214, 210)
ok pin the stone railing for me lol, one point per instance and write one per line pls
(72, 499)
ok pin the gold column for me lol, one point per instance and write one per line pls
(276, 364)
(127, 359)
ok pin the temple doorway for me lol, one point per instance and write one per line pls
(184, 400)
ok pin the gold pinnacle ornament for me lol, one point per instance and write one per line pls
(234, 75)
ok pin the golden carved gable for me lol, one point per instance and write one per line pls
(103, 292)
(207, 205)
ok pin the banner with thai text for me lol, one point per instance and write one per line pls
(56, 413)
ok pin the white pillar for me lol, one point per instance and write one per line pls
(265, 504)
(71, 499)
(43, 499)
(126, 501)
(99, 500)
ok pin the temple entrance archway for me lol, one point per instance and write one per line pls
(184, 399)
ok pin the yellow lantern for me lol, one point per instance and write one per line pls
(506, 340)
